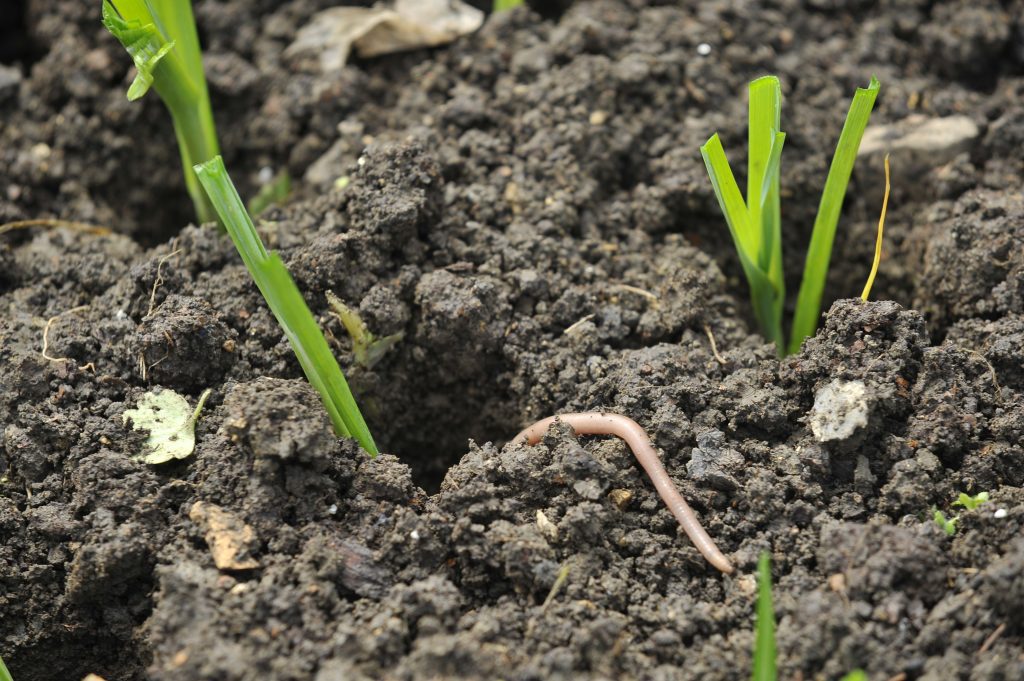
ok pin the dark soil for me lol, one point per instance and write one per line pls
(529, 207)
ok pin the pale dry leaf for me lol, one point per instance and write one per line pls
(230, 540)
(171, 424)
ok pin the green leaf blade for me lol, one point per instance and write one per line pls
(746, 237)
(734, 208)
(763, 125)
(286, 302)
(764, 627)
(819, 253)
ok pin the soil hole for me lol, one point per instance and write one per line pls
(428, 421)
(15, 44)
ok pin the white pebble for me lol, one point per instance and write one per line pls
(1001, 513)
(703, 49)
(415, 534)
(332, 509)
(265, 175)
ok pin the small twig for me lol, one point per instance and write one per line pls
(992, 638)
(576, 324)
(560, 580)
(991, 369)
(599, 423)
(714, 346)
(639, 291)
(69, 224)
(46, 333)
(159, 279)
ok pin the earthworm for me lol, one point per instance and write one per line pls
(600, 423)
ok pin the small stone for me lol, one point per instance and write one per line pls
(546, 527)
(598, 118)
(621, 498)
(840, 409)
(715, 463)
(747, 584)
(918, 144)
(837, 582)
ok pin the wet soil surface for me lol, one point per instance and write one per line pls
(528, 207)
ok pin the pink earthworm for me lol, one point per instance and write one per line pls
(601, 423)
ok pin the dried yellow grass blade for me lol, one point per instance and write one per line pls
(878, 241)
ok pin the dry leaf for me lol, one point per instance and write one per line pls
(231, 541)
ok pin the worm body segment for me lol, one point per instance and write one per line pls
(599, 423)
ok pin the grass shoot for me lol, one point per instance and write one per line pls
(502, 5)
(764, 625)
(755, 223)
(4, 674)
(765, 654)
(160, 36)
(286, 302)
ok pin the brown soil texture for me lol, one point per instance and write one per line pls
(528, 206)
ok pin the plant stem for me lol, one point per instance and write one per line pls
(764, 627)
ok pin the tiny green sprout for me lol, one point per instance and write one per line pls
(366, 347)
(160, 36)
(971, 502)
(502, 5)
(285, 301)
(948, 525)
(755, 222)
(765, 663)
(966, 501)
(764, 626)
(4, 674)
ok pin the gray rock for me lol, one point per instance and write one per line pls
(714, 463)
(918, 144)
(840, 410)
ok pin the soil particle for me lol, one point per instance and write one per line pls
(974, 262)
(183, 344)
(1000, 343)
(279, 419)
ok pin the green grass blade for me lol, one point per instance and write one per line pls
(771, 245)
(856, 675)
(4, 674)
(763, 124)
(763, 294)
(764, 629)
(502, 5)
(285, 301)
(819, 253)
(729, 198)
